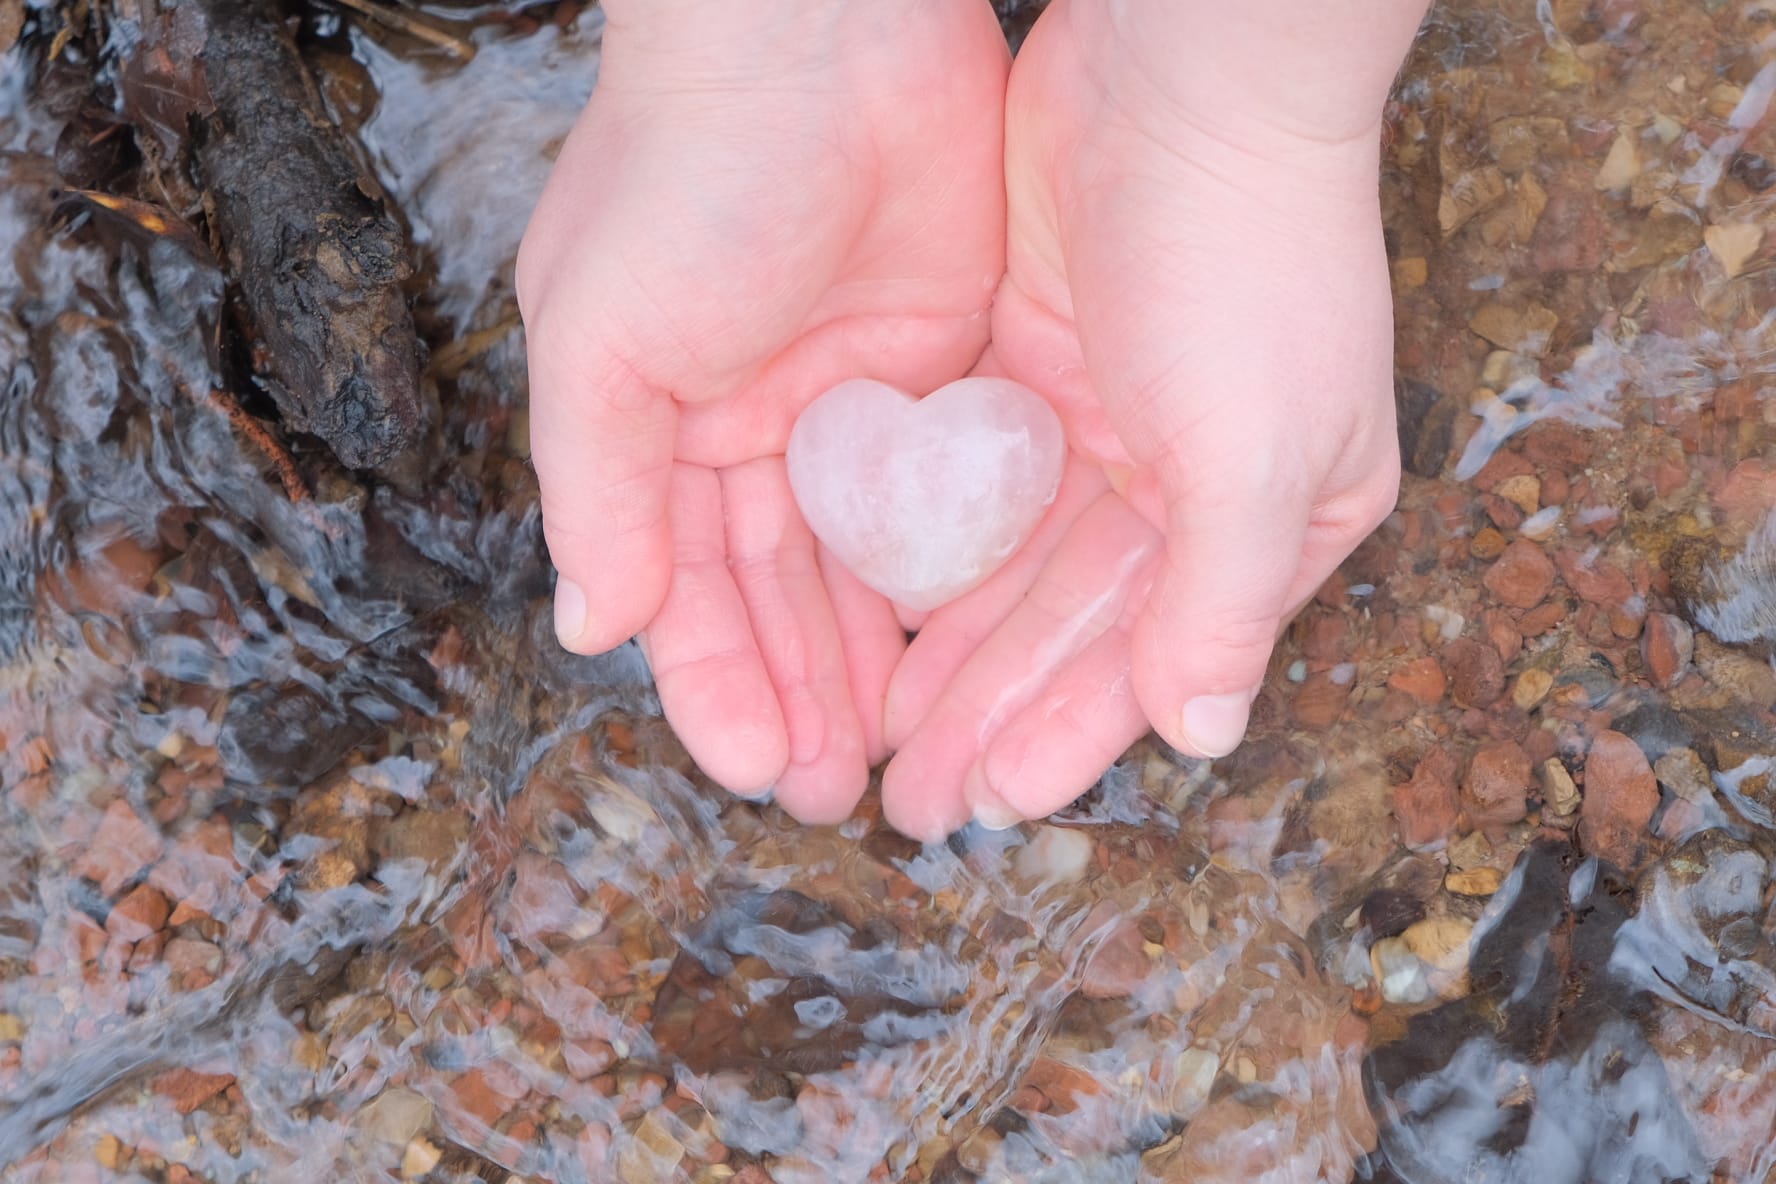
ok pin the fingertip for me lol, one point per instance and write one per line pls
(593, 613)
(750, 759)
(824, 793)
(1212, 726)
(911, 807)
(990, 810)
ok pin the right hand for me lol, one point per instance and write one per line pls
(758, 202)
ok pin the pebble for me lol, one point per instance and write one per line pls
(1495, 791)
(144, 911)
(1057, 854)
(1620, 797)
(1422, 678)
(1666, 646)
(1487, 544)
(196, 962)
(1425, 808)
(1477, 881)
(1470, 851)
(1523, 490)
(1476, 673)
(1320, 701)
(1559, 791)
(110, 1153)
(1540, 525)
(1403, 977)
(421, 1156)
(1447, 622)
(1531, 688)
(1682, 772)
(1522, 577)
(188, 1089)
(1193, 1077)
(1119, 966)
(395, 1116)
(1442, 944)
(122, 847)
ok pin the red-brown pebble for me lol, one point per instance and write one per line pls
(1061, 1083)
(1747, 495)
(1118, 967)
(1319, 702)
(1326, 638)
(122, 847)
(1422, 678)
(1495, 791)
(144, 911)
(1666, 646)
(1597, 580)
(1522, 577)
(1425, 808)
(194, 962)
(477, 1096)
(1501, 466)
(1621, 794)
(1503, 514)
(1539, 620)
(1502, 632)
(1476, 672)
(1551, 443)
(189, 1089)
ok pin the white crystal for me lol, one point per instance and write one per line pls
(923, 499)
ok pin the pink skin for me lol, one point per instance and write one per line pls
(1196, 280)
(1194, 277)
(760, 201)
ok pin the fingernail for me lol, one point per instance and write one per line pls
(989, 808)
(570, 611)
(1214, 725)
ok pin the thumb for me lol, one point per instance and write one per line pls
(602, 443)
(1234, 538)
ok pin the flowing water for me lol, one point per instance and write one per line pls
(319, 860)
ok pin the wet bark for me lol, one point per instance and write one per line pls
(319, 259)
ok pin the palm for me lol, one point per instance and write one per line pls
(1219, 353)
(700, 268)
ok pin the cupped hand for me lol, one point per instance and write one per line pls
(758, 202)
(1196, 279)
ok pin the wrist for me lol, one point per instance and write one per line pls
(666, 44)
(1270, 75)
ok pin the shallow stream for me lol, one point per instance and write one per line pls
(319, 861)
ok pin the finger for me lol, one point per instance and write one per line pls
(1059, 745)
(1083, 590)
(1039, 347)
(958, 628)
(601, 440)
(1233, 548)
(873, 642)
(712, 679)
(771, 553)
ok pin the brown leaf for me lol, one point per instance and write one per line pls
(131, 217)
(162, 82)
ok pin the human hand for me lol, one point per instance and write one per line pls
(1196, 280)
(759, 201)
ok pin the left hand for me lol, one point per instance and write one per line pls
(1196, 280)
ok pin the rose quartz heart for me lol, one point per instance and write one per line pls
(924, 498)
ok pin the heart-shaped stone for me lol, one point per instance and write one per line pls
(923, 499)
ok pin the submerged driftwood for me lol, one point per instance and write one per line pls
(318, 257)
